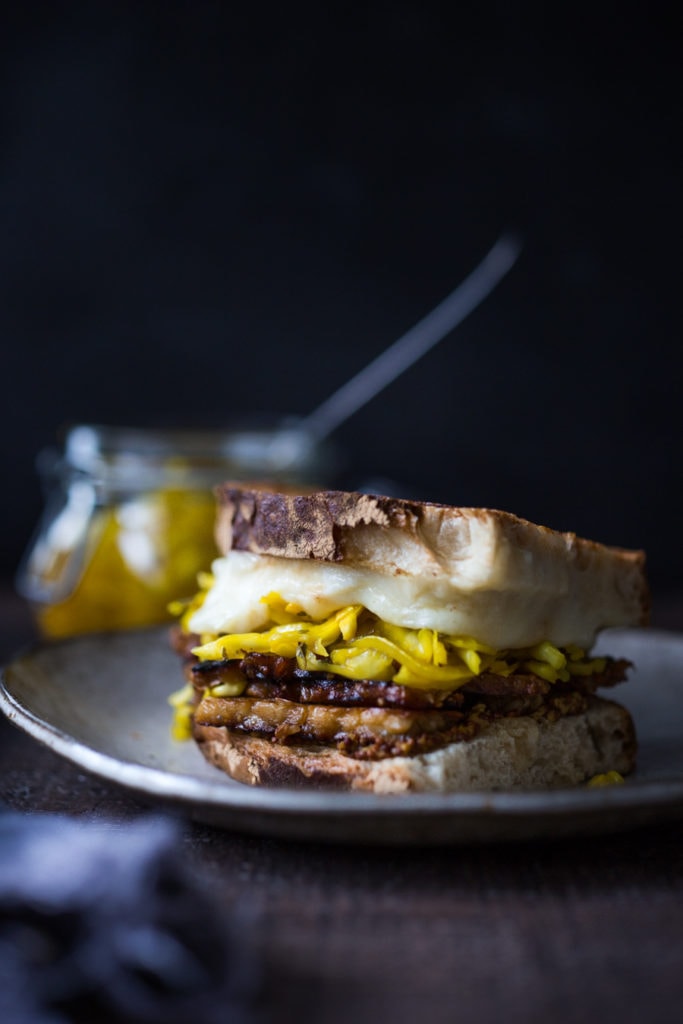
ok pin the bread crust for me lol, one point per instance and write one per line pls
(511, 754)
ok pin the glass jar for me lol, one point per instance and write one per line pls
(129, 517)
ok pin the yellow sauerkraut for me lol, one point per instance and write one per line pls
(610, 778)
(356, 644)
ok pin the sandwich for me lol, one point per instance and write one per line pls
(373, 643)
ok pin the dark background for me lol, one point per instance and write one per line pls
(208, 212)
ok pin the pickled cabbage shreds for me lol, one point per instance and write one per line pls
(182, 702)
(356, 644)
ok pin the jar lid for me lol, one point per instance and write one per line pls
(128, 457)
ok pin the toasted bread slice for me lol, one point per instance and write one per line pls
(471, 572)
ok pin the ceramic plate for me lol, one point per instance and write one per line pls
(100, 701)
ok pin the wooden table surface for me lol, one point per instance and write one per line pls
(563, 931)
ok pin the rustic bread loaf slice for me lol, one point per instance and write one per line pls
(478, 572)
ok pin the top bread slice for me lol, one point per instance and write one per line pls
(492, 565)
(477, 551)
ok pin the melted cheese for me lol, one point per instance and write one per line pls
(489, 607)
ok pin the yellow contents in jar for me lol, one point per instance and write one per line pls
(139, 555)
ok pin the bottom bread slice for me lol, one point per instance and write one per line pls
(511, 754)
